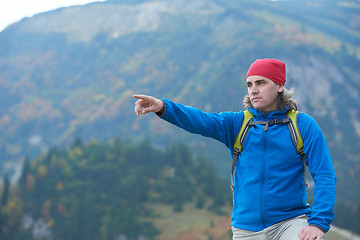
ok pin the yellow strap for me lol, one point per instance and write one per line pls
(292, 114)
(247, 116)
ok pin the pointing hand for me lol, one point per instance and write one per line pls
(147, 104)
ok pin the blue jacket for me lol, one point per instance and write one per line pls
(269, 177)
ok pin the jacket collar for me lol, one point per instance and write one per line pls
(259, 115)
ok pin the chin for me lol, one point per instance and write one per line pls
(257, 106)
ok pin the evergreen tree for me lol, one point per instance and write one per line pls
(24, 173)
(78, 142)
(6, 190)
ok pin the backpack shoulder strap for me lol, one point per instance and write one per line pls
(247, 122)
(296, 137)
(295, 132)
(244, 129)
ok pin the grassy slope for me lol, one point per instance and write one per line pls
(199, 224)
(191, 223)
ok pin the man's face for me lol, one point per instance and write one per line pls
(263, 93)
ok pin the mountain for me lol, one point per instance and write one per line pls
(71, 73)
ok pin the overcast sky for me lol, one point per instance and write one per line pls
(14, 10)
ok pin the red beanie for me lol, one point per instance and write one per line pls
(272, 69)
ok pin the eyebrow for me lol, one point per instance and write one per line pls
(260, 80)
(256, 81)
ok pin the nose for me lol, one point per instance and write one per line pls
(254, 90)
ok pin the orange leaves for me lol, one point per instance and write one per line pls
(60, 186)
(30, 182)
(14, 208)
(34, 109)
(42, 171)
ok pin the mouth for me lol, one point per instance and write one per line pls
(255, 99)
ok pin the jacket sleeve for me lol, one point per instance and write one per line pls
(219, 126)
(317, 157)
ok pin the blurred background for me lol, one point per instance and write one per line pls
(77, 164)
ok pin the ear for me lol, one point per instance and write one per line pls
(281, 89)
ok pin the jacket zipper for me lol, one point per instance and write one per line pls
(263, 179)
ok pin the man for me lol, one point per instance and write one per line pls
(269, 198)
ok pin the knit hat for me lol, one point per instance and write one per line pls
(270, 68)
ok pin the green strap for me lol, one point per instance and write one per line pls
(248, 116)
(298, 141)
(239, 140)
(296, 138)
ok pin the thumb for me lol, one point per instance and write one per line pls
(148, 109)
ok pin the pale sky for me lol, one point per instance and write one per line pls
(14, 10)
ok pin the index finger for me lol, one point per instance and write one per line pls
(140, 96)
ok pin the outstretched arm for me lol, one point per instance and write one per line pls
(147, 104)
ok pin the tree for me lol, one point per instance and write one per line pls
(24, 173)
(6, 190)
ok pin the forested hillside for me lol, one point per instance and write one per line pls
(106, 190)
(72, 72)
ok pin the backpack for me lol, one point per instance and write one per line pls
(248, 121)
